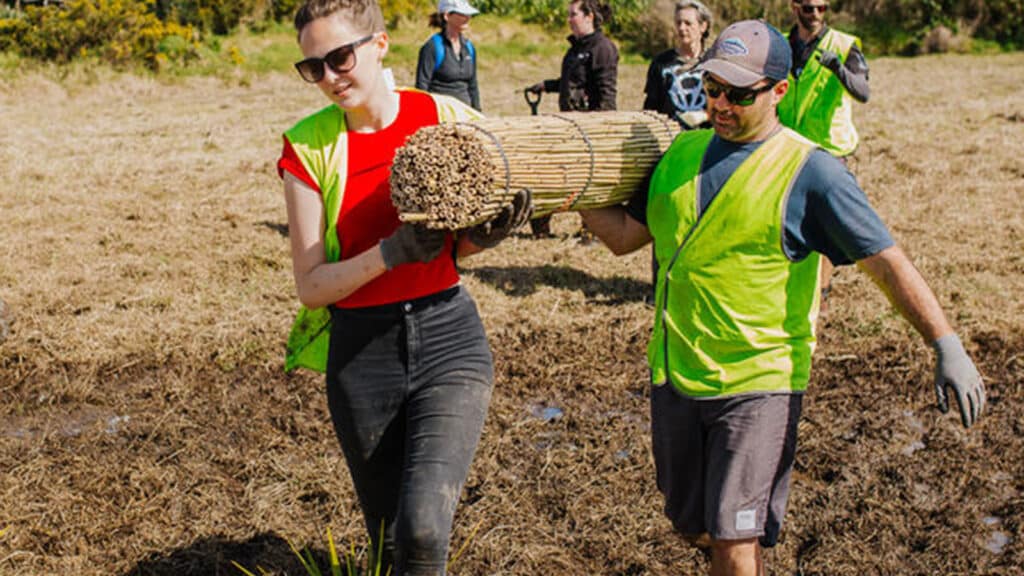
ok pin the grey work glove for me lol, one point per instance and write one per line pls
(536, 88)
(955, 370)
(490, 233)
(411, 243)
(830, 60)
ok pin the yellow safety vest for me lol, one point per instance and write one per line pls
(817, 105)
(733, 313)
(321, 143)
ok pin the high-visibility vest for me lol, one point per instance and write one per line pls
(321, 143)
(733, 313)
(817, 105)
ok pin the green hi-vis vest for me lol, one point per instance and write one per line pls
(734, 314)
(817, 106)
(320, 141)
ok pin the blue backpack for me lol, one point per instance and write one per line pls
(438, 41)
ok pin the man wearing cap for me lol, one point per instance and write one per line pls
(740, 216)
(828, 72)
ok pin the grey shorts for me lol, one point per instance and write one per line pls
(724, 464)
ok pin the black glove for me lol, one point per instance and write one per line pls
(955, 371)
(489, 234)
(411, 243)
(830, 60)
(536, 88)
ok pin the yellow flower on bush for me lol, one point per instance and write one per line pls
(118, 31)
(235, 55)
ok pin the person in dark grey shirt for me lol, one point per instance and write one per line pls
(673, 83)
(826, 211)
(736, 215)
(447, 61)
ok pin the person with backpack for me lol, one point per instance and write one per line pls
(447, 62)
(408, 368)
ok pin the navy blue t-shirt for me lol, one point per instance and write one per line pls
(826, 212)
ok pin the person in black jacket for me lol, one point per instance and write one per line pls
(447, 62)
(590, 72)
(590, 67)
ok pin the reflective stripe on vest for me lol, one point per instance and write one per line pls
(321, 143)
(817, 106)
(734, 315)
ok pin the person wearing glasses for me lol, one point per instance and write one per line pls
(408, 367)
(447, 61)
(589, 80)
(740, 216)
(828, 72)
(673, 84)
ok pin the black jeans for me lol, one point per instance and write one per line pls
(408, 385)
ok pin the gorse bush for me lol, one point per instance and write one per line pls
(116, 31)
(215, 16)
(394, 10)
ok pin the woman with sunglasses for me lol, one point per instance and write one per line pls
(673, 84)
(447, 61)
(408, 368)
(828, 73)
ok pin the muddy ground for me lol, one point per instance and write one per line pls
(146, 427)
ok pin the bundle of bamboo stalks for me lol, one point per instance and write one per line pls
(452, 176)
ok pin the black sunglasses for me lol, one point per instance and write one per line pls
(341, 60)
(737, 96)
(812, 9)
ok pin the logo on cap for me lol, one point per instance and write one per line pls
(733, 47)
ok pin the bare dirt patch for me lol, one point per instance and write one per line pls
(147, 427)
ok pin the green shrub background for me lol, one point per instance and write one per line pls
(156, 32)
(116, 31)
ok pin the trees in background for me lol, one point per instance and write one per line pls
(158, 31)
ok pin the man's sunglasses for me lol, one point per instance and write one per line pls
(341, 60)
(737, 96)
(809, 9)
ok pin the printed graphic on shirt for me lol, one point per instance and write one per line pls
(685, 89)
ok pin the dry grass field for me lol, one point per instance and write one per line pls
(146, 427)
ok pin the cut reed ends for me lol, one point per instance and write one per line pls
(452, 176)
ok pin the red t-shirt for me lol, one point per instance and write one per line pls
(367, 214)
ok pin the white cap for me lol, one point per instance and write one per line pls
(457, 6)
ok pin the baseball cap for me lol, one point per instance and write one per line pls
(458, 6)
(748, 51)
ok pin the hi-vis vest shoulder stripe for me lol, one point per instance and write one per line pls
(817, 106)
(321, 143)
(733, 314)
